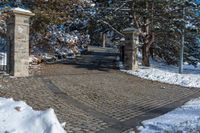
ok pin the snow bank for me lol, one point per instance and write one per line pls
(169, 74)
(185, 119)
(18, 117)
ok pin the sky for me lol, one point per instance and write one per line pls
(197, 1)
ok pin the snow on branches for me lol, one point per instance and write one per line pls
(59, 44)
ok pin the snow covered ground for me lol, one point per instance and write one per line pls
(185, 119)
(18, 117)
(169, 74)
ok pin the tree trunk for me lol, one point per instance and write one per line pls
(149, 39)
(145, 55)
(146, 33)
(151, 52)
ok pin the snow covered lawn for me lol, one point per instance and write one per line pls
(185, 119)
(169, 74)
(18, 117)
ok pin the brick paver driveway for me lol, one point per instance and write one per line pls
(91, 96)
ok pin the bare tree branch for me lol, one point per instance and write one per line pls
(111, 27)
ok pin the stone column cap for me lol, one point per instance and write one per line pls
(131, 30)
(21, 11)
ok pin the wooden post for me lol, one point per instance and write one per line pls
(135, 44)
(104, 40)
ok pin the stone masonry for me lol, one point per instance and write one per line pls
(18, 35)
(130, 49)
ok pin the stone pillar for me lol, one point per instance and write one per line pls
(18, 35)
(131, 49)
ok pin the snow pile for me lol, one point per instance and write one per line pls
(169, 74)
(3, 58)
(88, 2)
(34, 60)
(185, 119)
(18, 117)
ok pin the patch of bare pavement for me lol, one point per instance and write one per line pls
(91, 95)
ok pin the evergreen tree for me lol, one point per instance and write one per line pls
(160, 24)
